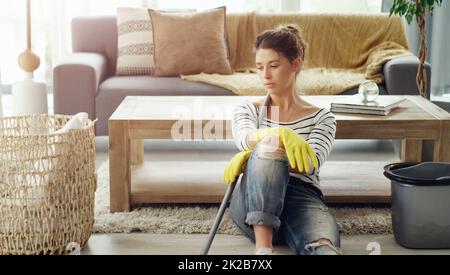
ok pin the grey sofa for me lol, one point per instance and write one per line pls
(86, 80)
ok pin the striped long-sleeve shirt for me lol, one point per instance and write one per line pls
(318, 129)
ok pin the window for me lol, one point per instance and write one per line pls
(366, 6)
(50, 31)
(232, 6)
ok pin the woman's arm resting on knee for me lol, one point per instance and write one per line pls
(298, 151)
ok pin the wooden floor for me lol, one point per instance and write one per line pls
(154, 244)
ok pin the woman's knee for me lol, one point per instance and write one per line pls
(271, 147)
(321, 246)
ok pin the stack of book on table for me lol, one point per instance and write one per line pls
(382, 106)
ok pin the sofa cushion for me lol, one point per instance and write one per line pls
(152, 86)
(135, 55)
(190, 43)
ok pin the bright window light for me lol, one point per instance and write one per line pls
(341, 6)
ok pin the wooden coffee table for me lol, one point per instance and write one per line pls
(137, 118)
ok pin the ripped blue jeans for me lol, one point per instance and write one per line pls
(268, 195)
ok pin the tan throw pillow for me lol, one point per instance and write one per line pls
(190, 43)
(135, 42)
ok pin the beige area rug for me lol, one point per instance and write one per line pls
(189, 219)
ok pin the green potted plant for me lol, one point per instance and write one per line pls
(418, 9)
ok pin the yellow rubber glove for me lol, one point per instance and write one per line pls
(235, 167)
(297, 149)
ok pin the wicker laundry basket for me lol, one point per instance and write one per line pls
(47, 184)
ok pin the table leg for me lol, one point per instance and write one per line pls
(137, 151)
(411, 150)
(442, 144)
(119, 166)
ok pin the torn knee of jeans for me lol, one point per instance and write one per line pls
(270, 146)
(322, 242)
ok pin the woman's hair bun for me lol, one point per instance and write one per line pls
(290, 28)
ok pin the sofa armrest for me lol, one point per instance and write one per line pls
(400, 76)
(76, 81)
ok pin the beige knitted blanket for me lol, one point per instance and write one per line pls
(343, 51)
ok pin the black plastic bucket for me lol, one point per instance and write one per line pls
(420, 203)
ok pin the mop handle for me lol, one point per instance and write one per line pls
(219, 217)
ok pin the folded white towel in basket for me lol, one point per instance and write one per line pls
(78, 121)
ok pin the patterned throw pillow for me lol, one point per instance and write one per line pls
(135, 54)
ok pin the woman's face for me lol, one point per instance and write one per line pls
(276, 72)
